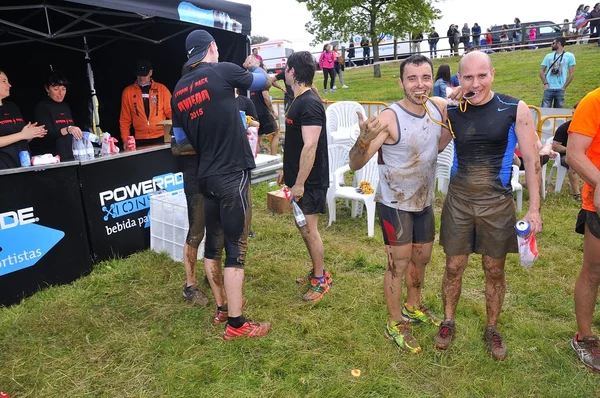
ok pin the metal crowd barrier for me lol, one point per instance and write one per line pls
(548, 124)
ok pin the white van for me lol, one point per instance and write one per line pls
(274, 54)
(386, 48)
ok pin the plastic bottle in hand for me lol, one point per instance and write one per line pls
(298, 214)
(528, 252)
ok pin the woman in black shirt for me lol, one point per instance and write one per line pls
(14, 133)
(56, 115)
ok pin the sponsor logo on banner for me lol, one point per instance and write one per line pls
(22, 241)
(120, 204)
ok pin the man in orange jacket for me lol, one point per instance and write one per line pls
(144, 104)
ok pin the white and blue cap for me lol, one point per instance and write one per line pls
(196, 45)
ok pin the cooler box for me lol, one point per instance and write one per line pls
(169, 224)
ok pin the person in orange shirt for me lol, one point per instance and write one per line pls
(144, 104)
(584, 157)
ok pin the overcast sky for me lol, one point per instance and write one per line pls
(285, 19)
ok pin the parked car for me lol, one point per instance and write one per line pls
(546, 31)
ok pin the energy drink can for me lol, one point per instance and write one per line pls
(25, 158)
(523, 228)
(131, 143)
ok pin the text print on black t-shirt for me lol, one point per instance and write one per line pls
(189, 98)
(10, 120)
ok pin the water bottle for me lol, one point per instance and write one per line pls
(298, 215)
(528, 252)
(91, 137)
(189, 12)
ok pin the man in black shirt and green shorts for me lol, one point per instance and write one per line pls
(305, 163)
(206, 113)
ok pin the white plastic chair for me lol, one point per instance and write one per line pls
(443, 167)
(517, 188)
(339, 155)
(370, 173)
(342, 122)
(561, 173)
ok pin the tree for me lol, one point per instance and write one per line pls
(258, 39)
(375, 18)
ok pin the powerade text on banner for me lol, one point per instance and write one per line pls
(23, 242)
(116, 195)
(43, 238)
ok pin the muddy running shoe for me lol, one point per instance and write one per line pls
(326, 275)
(445, 334)
(420, 315)
(248, 329)
(399, 334)
(221, 316)
(588, 351)
(316, 291)
(495, 345)
(194, 295)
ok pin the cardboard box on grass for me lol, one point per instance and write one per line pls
(277, 203)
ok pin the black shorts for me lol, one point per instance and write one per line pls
(401, 227)
(195, 201)
(314, 201)
(268, 125)
(589, 218)
(563, 161)
(228, 214)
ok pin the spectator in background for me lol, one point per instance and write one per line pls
(450, 34)
(557, 72)
(327, 65)
(559, 144)
(581, 22)
(455, 39)
(466, 34)
(266, 116)
(417, 38)
(351, 54)
(566, 29)
(454, 80)
(532, 37)
(476, 31)
(255, 54)
(433, 39)
(338, 65)
(364, 43)
(595, 22)
(503, 37)
(442, 81)
(489, 41)
(516, 34)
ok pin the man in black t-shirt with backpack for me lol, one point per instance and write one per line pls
(305, 163)
(206, 113)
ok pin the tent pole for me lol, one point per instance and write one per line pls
(95, 115)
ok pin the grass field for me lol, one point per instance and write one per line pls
(125, 331)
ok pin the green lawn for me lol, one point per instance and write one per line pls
(125, 331)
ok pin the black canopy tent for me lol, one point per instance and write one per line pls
(35, 34)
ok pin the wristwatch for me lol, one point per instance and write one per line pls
(68, 127)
